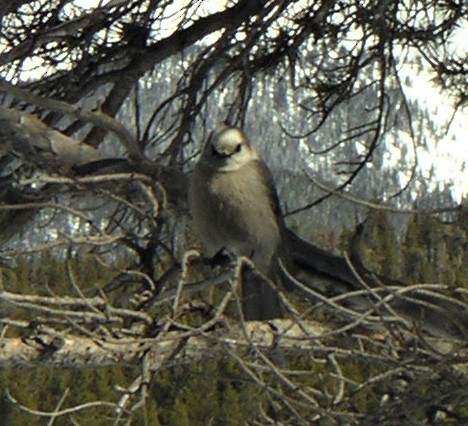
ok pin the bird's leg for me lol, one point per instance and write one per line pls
(221, 258)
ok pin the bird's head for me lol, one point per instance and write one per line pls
(227, 149)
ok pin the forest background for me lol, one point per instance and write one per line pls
(326, 91)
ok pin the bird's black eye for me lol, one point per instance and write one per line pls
(216, 153)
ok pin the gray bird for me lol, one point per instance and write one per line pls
(235, 207)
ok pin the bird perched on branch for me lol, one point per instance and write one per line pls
(235, 207)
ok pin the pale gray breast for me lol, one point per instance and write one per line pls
(234, 210)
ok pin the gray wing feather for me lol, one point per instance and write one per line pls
(267, 180)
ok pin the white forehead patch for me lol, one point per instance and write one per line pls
(228, 150)
(230, 137)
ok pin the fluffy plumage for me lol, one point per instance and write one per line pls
(235, 207)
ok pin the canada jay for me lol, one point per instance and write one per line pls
(235, 207)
